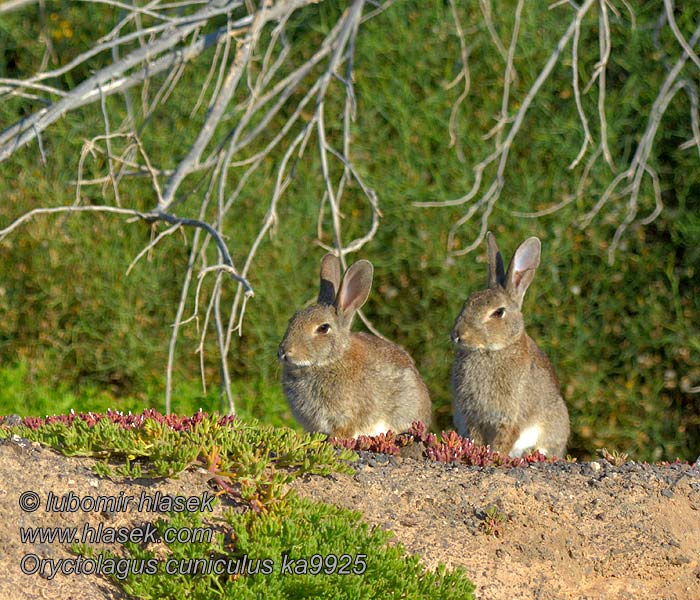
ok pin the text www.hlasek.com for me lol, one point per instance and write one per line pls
(147, 533)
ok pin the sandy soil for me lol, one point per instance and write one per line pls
(563, 530)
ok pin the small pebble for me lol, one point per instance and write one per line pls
(12, 420)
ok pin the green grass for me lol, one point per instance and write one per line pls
(23, 395)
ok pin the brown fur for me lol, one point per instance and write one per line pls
(342, 383)
(502, 382)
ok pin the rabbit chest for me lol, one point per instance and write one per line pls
(345, 393)
(371, 388)
(488, 386)
(316, 398)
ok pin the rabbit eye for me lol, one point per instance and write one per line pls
(498, 313)
(323, 329)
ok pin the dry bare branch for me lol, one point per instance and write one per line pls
(464, 75)
(687, 48)
(639, 166)
(489, 174)
(112, 79)
(499, 156)
(158, 39)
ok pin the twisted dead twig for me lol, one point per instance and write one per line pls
(487, 201)
(465, 75)
(485, 192)
(639, 165)
(148, 217)
(605, 48)
(687, 47)
(177, 223)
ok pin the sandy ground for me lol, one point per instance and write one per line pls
(563, 530)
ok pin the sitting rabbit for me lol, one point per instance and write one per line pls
(505, 391)
(343, 383)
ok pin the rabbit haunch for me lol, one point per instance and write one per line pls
(342, 383)
(505, 391)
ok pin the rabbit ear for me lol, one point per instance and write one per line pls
(522, 269)
(497, 274)
(330, 279)
(354, 290)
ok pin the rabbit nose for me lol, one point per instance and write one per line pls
(281, 354)
(455, 338)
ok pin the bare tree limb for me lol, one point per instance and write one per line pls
(500, 155)
(149, 217)
(639, 163)
(108, 81)
(228, 88)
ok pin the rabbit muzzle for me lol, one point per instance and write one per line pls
(463, 337)
(281, 354)
(471, 341)
(288, 357)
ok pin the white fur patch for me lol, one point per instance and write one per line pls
(301, 363)
(379, 427)
(527, 441)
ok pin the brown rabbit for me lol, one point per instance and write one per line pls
(342, 383)
(505, 391)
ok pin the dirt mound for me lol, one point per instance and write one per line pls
(561, 530)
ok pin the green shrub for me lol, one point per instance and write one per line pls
(624, 339)
(277, 547)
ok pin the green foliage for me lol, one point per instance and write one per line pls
(21, 394)
(24, 395)
(272, 550)
(624, 339)
(254, 461)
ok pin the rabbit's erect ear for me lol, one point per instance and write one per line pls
(497, 274)
(522, 269)
(354, 290)
(330, 279)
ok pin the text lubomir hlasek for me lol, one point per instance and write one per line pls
(144, 502)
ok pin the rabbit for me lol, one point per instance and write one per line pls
(505, 391)
(342, 383)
